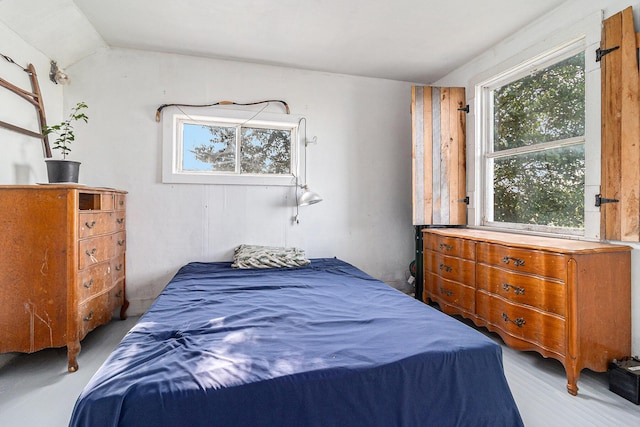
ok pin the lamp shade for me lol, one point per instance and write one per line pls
(308, 197)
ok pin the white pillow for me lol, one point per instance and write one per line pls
(253, 256)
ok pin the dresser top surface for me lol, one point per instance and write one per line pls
(528, 241)
(40, 187)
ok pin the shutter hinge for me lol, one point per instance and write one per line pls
(601, 200)
(602, 52)
(465, 108)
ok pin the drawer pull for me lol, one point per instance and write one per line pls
(446, 292)
(119, 294)
(446, 268)
(121, 242)
(445, 247)
(516, 289)
(519, 322)
(516, 261)
(120, 220)
(88, 285)
(121, 202)
(90, 225)
(118, 267)
(91, 254)
(89, 317)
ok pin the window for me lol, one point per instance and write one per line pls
(230, 147)
(533, 148)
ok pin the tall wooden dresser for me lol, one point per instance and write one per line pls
(62, 268)
(566, 299)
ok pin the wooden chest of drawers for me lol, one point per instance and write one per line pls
(62, 270)
(566, 299)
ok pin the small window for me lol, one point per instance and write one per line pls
(230, 147)
(534, 149)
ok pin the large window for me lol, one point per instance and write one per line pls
(533, 121)
(230, 147)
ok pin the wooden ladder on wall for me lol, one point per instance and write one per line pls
(34, 98)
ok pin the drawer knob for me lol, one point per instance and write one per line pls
(445, 247)
(446, 292)
(92, 254)
(119, 294)
(516, 261)
(118, 267)
(89, 317)
(121, 202)
(90, 225)
(88, 285)
(516, 289)
(446, 268)
(121, 242)
(519, 322)
(120, 220)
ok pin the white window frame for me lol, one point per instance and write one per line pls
(174, 117)
(586, 37)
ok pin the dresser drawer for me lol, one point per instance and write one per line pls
(121, 202)
(534, 291)
(460, 248)
(118, 268)
(120, 243)
(95, 223)
(452, 293)
(451, 268)
(543, 329)
(94, 280)
(95, 250)
(116, 295)
(531, 261)
(120, 220)
(94, 312)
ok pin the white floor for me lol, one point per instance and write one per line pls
(37, 390)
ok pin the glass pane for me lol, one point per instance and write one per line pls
(265, 151)
(542, 188)
(208, 148)
(547, 105)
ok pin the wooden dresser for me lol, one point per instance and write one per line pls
(566, 299)
(62, 269)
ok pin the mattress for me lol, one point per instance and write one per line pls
(320, 345)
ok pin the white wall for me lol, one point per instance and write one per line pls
(361, 165)
(544, 34)
(22, 158)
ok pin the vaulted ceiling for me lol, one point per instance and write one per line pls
(409, 40)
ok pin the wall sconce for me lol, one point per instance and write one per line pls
(56, 75)
(307, 197)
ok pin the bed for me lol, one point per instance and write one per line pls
(319, 345)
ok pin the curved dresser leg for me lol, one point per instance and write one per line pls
(73, 349)
(123, 310)
(573, 373)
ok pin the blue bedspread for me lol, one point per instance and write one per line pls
(322, 345)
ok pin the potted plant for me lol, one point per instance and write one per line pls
(65, 170)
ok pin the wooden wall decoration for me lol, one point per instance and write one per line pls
(620, 129)
(34, 98)
(438, 120)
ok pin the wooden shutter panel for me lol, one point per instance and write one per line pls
(439, 150)
(620, 129)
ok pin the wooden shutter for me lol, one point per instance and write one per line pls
(438, 121)
(620, 129)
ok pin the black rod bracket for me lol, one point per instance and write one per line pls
(601, 200)
(602, 52)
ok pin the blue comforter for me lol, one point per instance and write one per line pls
(322, 345)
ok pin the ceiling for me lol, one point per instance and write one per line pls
(417, 41)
